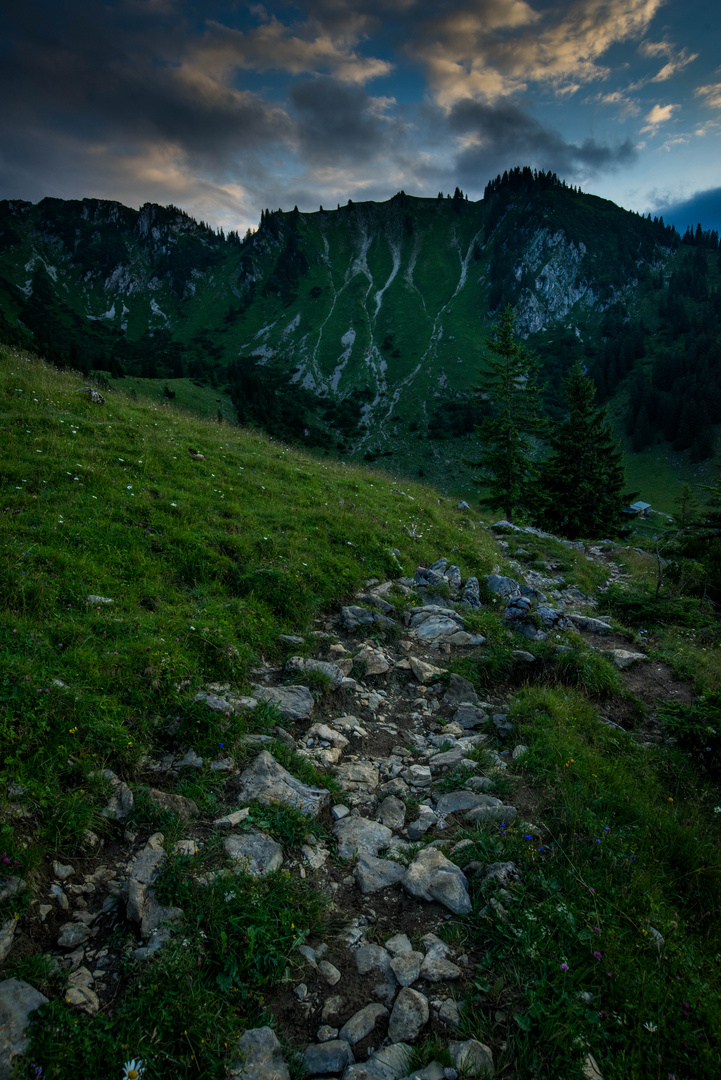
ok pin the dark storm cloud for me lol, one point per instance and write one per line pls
(110, 74)
(224, 107)
(500, 136)
(703, 208)
(339, 125)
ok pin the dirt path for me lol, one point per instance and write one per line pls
(403, 746)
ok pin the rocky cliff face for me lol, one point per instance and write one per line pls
(559, 282)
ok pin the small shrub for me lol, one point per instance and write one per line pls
(316, 681)
(638, 606)
(588, 671)
(697, 728)
(289, 826)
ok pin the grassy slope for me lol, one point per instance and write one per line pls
(207, 563)
(203, 401)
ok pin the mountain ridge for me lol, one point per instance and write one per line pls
(368, 322)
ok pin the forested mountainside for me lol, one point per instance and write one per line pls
(362, 329)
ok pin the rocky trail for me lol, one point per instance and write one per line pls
(418, 758)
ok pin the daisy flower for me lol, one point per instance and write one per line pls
(133, 1069)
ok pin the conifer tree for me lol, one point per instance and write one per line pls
(687, 511)
(509, 384)
(581, 485)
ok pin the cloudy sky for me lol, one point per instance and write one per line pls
(224, 108)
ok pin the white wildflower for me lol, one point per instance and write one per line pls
(133, 1070)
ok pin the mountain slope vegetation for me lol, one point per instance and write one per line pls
(362, 329)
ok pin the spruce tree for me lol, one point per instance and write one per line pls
(581, 485)
(509, 384)
(687, 508)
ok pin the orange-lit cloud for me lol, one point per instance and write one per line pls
(490, 50)
(711, 94)
(676, 60)
(273, 46)
(659, 114)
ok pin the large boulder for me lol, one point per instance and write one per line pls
(374, 874)
(591, 626)
(141, 904)
(7, 936)
(374, 958)
(392, 812)
(425, 673)
(362, 1023)
(501, 874)
(431, 876)
(472, 1058)
(509, 587)
(175, 804)
(269, 783)
(13, 886)
(18, 1000)
(460, 691)
(373, 661)
(395, 1058)
(453, 576)
(294, 702)
(551, 618)
(502, 586)
(80, 992)
(358, 775)
(455, 801)
(214, 702)
(419, 615)
(624, 659)
(301, 665)
(361, 836)
(407, 966)
(353, 617)
(73, 934)
(375, 600)
(371, 1069)
(120, 803)
(434, 627)
(492, 810)
(469, 716)
(424, 577)
(255, 852)
(328, 1058)
(260, 1057)
(410, 1015)
(471, 593)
